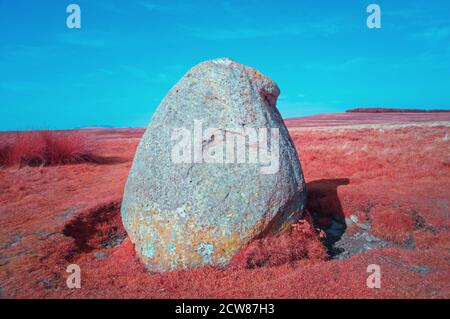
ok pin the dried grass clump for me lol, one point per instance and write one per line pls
(301, 241)
(48, 148)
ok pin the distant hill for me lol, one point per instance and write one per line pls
(94, 127)
(392, 110)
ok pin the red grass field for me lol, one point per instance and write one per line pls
(386, 178)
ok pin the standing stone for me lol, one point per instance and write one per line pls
(201, 207)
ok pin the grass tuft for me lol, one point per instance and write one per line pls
(49, 148)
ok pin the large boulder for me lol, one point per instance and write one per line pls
(215, 169)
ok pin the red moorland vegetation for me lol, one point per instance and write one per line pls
(392, 110)
(302, 241)
(377, 194)
(47, 148)
(364, 118)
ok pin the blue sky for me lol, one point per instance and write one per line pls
(115, 69)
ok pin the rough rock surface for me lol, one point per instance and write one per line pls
(185, 215)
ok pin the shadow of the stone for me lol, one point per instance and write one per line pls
(325, 208)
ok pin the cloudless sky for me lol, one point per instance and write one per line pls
(115, 69)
